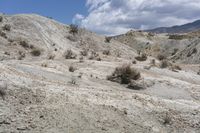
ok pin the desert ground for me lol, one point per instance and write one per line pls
(55, 80)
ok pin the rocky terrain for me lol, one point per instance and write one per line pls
(54, 78)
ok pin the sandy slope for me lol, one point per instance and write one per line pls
(41, 96)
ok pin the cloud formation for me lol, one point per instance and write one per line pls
(118, 16)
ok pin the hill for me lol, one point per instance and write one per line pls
(54, 78)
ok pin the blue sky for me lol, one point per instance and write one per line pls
(61, 10)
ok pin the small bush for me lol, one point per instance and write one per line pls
(175, 68)
(134, 62)
(69, 55)
(81, 59)
(142, 57)
(21, 55)
(153, 62)
(84, 52)
(73, 29)
(72, 38)
(7, 27)
(3, 34)
(124, 74)
(24, 44)
(106, 52)
(198, 73)
(3, 88)
(193, 51)
(165, 64)
(51, 57)
(108, 39)
(94, 55)
(36, 52)
(1, 18)
(161, 57)
(72, 69)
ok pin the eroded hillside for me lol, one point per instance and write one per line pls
(65, 88)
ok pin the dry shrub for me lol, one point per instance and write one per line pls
(84, 52)
(81, 59)
(6, 27)
(106, 52)
(3, 88)
(72, 68)
(69, 54)
(51, 57)
(108, 39)
(142, 57)
(73, 29)
(1, 18)
(165, 64)
(72, 38)
(153, 62)
(3, 34)
(94, 56)
(124, 74)
(36, 52)
(161, 57)
(21, 55)
(193, 51)
(175, 68)
(134, 62)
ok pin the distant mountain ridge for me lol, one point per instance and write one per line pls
(178, 29)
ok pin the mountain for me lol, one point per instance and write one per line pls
(178, 29)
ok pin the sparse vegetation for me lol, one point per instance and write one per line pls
(124, 74)
(73, 29)
(6, 27)
(165, 64)
(106, 52)
(3, 88)
(161, 57)
(153, 62)
(72, 68)
(108, 39)
(193, 51)
(25, 44)
(177, 37)
(72, 38)
(81, 59)
(3, 34)
(36, 52)
(134, 62)
(84, 52)
(51, 56)
(69, 54)
(141, 57)
(1, 18)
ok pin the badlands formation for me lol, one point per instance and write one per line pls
(56, 78)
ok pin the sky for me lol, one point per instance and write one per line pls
(110, 17)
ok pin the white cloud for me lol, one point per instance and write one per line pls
(119, 16)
